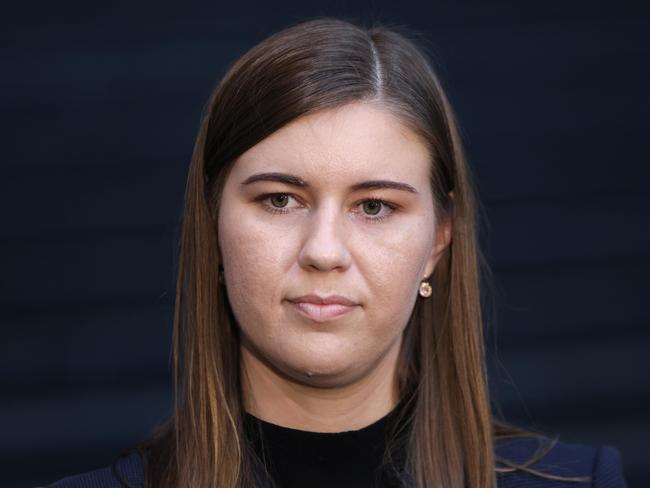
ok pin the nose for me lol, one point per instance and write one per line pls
(324, 244)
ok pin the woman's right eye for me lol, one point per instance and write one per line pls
(279, 200)
(275, 202)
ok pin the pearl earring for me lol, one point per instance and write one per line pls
(425, 289)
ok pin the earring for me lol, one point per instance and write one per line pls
(425, 289)
(221, 275)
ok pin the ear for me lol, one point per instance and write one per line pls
(443, 233)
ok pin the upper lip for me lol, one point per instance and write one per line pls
(319, 300)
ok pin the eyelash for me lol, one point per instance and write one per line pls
(278, 210)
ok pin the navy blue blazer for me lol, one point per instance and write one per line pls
(602, 464)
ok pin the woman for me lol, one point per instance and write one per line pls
(328, 325)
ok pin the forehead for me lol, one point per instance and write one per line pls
(351, 142)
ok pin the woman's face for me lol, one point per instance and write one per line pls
(335, 203)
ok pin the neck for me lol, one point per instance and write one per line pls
(350, 405)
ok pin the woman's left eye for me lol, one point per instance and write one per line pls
(371, 207)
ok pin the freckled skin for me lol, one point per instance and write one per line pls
(323, 244)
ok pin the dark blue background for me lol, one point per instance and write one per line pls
(100, 107)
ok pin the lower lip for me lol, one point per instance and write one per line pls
(321, 313)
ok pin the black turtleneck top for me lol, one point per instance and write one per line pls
(298, 458)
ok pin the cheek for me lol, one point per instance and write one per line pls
(393, 265)
(395, 258)
(254, 258)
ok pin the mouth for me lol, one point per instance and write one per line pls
(322, 313)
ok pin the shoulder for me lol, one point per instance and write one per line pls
(130, 468)
(602, 465)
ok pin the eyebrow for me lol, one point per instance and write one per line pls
(297, 181)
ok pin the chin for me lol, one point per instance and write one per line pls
(332, 373)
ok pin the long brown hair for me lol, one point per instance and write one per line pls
(313, 65)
